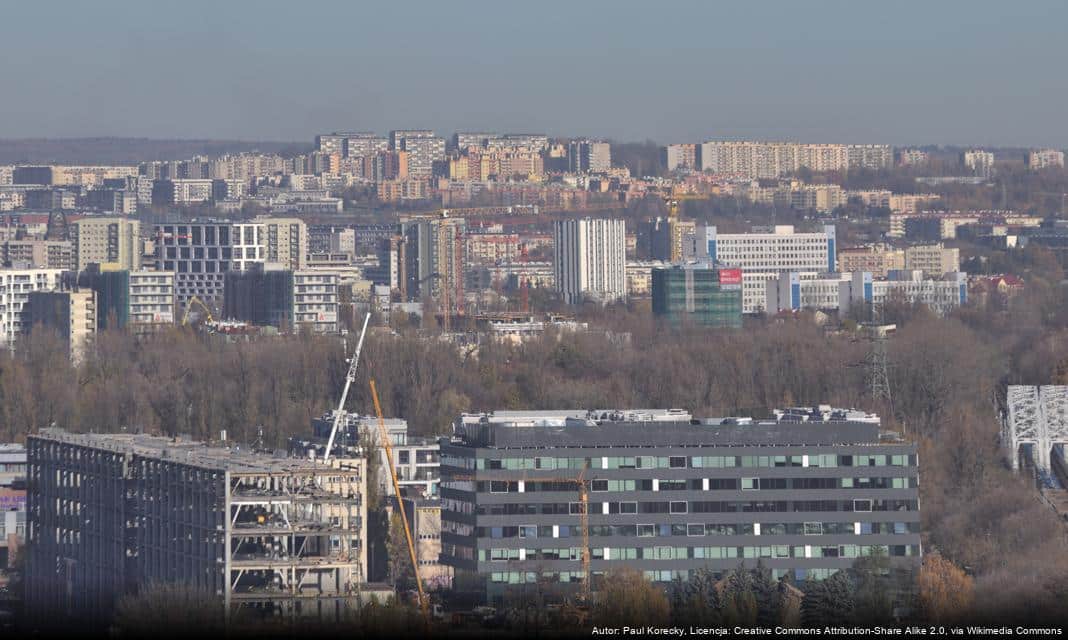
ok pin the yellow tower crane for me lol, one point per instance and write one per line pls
(384, 436)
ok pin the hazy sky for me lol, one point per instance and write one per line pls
(895, 71)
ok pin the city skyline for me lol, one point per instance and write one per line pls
(726, 71)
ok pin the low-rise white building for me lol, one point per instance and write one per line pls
(793, 291)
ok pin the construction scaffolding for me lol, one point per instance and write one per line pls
(282, 536)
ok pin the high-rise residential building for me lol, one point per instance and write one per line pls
(764, 253)
(201, 253)
(437, 260)
(285, 241)
(330, 143)
(870, 156)
(69, 314)
(980, 163)
(183, 191)
(932, 259)
(587, 156)
(698, 292)
(1045, 158)
(138, 300)
(16, 285)
(774, 159)
(682, 157)
(286, 299)
(912, 157)
(424, 149)
(109, 514)
(540, 502)
(363, 144)
(389, 165)
(112, 242)
(590, 260)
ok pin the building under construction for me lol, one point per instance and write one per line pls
(110, 513)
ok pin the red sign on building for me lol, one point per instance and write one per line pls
(730, 276)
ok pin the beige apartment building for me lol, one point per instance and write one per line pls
(876, 259)
(110, 241)
(285, 241)
(934, 259)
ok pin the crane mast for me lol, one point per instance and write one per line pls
(349, 378)
(384, 436)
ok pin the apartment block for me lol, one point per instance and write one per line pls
(682, 157)
(764, 253)
(108, 241)
(980, 163)
(436, 259)
(138, 300)
(587, 156)
(590, 260)
(492, 248)
(288, 300)
(774, 159)
(806, 494)
(285, 241)
(877, 259)
(44, 254)
(110, 513)
(424, 148)
(932, 259)
(912, 157)
(71, 315)
(1045, 158)
(16, 285)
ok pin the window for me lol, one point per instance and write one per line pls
(750, 483)
(629, 507)
(498, 486)
(862, 505)
(647, 531)
(599, 485)
(677, 462)
(678, 507)
(575, 508)
(695, 529)
(813, 528)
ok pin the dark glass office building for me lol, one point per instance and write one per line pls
(805, 498)
(700, 293)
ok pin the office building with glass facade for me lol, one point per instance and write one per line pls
(803, 496)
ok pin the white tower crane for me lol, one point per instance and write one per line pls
(349, 378)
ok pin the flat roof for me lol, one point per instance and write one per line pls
(189, 452)
(710, 433)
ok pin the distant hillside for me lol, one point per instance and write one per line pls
(129, 150)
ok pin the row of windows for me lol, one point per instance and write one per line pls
(689, 530)
(860, 505)
(683, 462)
(700, 484)
(532, 577)
(700, 553)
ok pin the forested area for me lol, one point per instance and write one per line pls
(945, 377)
